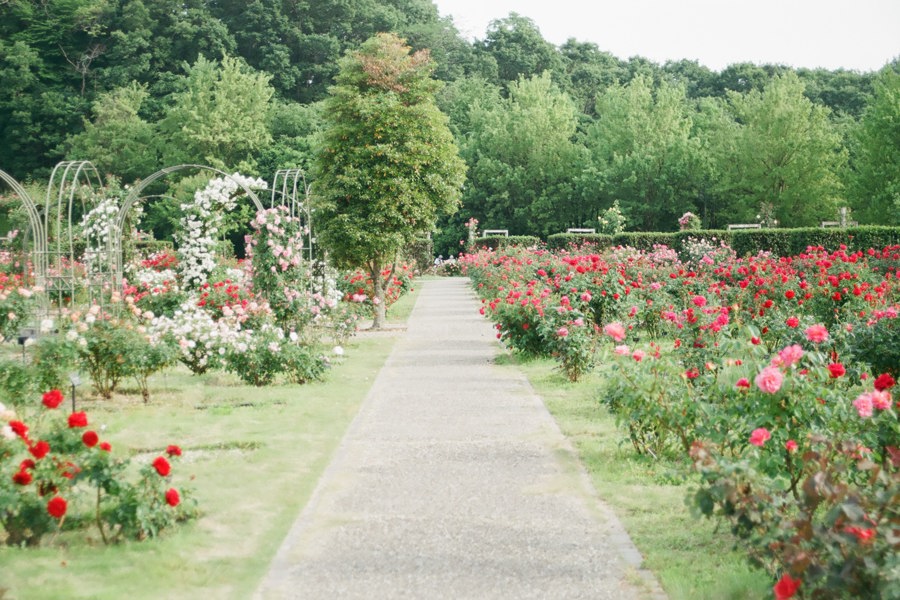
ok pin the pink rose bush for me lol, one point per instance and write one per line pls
(770, 374)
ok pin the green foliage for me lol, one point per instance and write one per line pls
(875, 183)
(523, 161)
(113, 351)
(496, 242)
(219, 115)
(644, 154)
(776, 146)
(388, 166)
(118, 139)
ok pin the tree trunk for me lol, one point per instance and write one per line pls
(380, 306)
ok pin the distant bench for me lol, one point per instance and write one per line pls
(572, 230)
(744, 226)
(487, 232)
(839, 224)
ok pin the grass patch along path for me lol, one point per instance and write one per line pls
(254, 456)
(454, 482)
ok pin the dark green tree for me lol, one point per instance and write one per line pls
(388, 166)
(520, 50)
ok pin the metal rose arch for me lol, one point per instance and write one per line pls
(134, 196)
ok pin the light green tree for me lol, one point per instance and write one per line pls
(643, 153)
(876, 180)
(778, 147)
(523, 161)
(388, 165)
(220, 116)
(118, 140)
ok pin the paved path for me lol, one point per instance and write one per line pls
(453, 482)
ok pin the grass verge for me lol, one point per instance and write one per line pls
(254, 456)
(690, 558)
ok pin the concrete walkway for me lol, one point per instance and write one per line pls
(454, 482)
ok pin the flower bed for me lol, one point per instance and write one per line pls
(771, 375)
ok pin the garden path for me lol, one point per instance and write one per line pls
(454, 481)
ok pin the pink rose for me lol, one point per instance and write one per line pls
(817, 334)
(769, 380)
(760, 436)
(863, 405)
(615, 330)
(789, 356)
(622, 350)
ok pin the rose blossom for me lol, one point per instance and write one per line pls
(78, 419)
(40, 449)
(789, 356)
(52, 399)
(884, 382)
(57, 507)
(769, 379)
(162, 466)
(615, 330)
(172, 497)
(622, 350)
(786, 587)
(743, 382)
(790, 446)
(760, 436)
(881, 399)
(90, 438)
(863, 405)
(836, 370)
(792, 322)
(817, 333)
(638, 355)
(562, 332)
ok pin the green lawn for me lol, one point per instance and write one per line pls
(253, 457)
(691, 560)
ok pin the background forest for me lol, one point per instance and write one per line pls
(551, 136)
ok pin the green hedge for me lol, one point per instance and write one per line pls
(783, 242)
(499, 241)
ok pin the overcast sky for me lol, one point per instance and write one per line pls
(858, 34)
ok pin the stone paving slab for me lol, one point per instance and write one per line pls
(454, 482)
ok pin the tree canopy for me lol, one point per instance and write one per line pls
(388, 165)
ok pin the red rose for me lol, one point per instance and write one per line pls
(19, 428)
(23, 477)
(52, 399)
(78, 419)
(786, 587)
(39, 450)
(162, 466)
(836, 370)
(792, 322)
(26, 464)
(172, 497)
(173, 450)
(57, 507)
(90, 438)
(884, 382)
(105, 447)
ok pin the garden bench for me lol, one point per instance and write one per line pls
(487, 232)
(575, 230)
(744, 226)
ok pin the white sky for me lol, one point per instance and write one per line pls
(860, 34)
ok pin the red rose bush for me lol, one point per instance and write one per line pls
(55, 466)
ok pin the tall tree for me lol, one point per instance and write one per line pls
(643, 153)
(780, 149)
(219, 116)
(118, 140)
(875, 183)
(520, 50)
(523, 160)
(388, 166)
